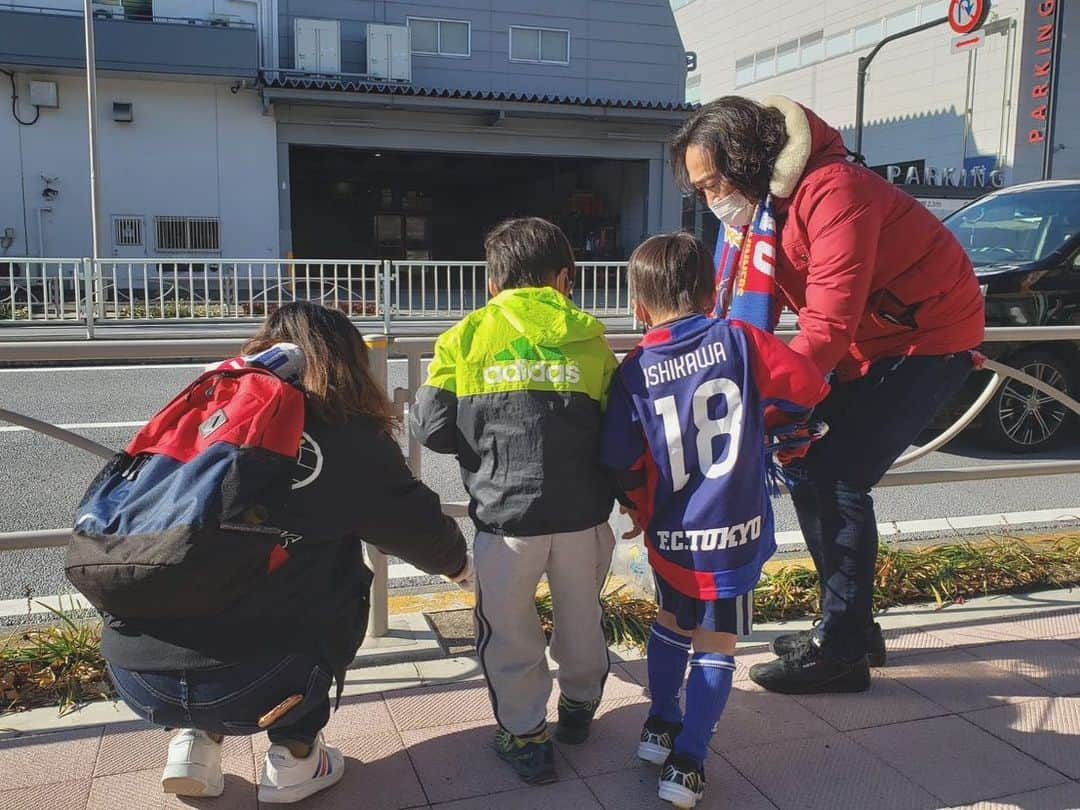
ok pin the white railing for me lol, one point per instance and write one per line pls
(414, 350)
(207, 288)
(35, 290)
(215, 289)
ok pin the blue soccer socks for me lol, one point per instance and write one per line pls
(707, 693)
(667, 653)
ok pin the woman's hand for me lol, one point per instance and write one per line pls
(634, 519)
(464, 578)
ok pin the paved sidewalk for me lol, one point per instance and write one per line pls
(980, 703)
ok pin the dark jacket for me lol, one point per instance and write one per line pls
(516, 391)
(351, 484)
(869, 270)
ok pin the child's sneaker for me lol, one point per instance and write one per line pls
(286, 779)
(532, 757)
(194, 765)
(657, 737)
(682, 781)
(575, 718)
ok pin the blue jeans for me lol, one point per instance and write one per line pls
(230, 699)
(872, 420)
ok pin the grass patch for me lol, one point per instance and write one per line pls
(58, 664)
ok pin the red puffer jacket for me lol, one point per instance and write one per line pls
(869, 270)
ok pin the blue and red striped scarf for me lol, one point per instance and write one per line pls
(746, 291)
(745, 265)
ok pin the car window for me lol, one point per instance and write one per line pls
(1017, 227)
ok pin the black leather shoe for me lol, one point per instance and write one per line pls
(782, 645)
(809, 670)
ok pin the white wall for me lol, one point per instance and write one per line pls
(194, 149)
(917, 92)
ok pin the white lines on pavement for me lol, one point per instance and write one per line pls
(791, 541)
(77, 426)
(40, 369)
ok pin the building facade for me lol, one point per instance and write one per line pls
(338, 128)
(948, 122)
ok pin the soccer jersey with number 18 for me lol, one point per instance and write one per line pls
(685, 428)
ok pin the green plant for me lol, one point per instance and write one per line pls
(945, 573)
(54, 665)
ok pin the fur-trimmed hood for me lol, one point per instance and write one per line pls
(810, 142)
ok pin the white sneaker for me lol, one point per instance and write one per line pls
(194, 765)
(286, 779)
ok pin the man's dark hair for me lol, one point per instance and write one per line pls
(742, 137)
(672, 272)
(527, 252)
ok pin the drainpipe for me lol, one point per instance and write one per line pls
(41, 229)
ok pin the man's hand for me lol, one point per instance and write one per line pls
(634, 519)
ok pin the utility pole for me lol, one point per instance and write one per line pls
(91, 127)
(864, 66)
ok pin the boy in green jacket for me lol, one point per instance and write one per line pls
(516, 391)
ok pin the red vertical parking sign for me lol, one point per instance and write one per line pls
(967, 15)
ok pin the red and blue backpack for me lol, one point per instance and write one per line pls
(179, 524)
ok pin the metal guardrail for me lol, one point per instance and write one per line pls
(207, 288)
(414, 350)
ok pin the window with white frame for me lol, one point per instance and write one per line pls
(744, 71)
(434, 37)
(819, 46)
(811, 48)
(902, 21)
(787, 56)
(127, 231)
(868, 34)
(837, 44)
(765, 64)
(181, 234)
(693, 89)
(549, 46)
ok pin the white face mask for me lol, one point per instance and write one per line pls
(734, 210)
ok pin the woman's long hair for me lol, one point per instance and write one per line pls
(338, 379)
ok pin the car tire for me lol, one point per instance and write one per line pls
(1021, 419)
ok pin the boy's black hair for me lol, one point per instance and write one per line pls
(673, 273)
(526, 252)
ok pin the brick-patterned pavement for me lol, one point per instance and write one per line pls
(971, 712)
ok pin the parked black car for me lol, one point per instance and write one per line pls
(1025, 244)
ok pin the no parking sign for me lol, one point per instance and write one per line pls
(966, 16)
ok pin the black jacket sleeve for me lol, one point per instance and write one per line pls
(400, 515)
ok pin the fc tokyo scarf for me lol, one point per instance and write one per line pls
(745, 264)
(746, 291)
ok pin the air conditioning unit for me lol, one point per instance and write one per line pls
(389, 52)
(318, 46)
(225, 20)
(105, 10)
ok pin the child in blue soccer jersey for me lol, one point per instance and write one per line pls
(685, 431)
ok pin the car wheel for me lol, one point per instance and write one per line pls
(1022, 419)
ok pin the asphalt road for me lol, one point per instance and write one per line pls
(42, 479)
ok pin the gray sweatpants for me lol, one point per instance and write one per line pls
(509, 639)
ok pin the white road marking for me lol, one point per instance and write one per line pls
(78, 426)
(40, 369)
(788, 541)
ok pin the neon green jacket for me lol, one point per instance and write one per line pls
(516, 391)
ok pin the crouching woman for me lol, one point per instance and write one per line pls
(274, 659)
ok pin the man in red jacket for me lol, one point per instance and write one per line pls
(888, 303)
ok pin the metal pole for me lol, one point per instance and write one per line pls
(379, 617)
(1051, 116)
(91, 128)
(864, 66)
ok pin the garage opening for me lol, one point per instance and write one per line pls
(385, 204)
